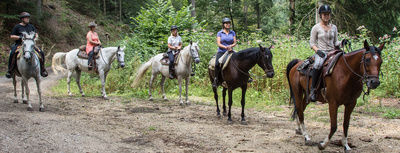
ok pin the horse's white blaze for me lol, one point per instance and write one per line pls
(375, 57)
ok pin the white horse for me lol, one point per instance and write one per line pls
(74, 63)
(182, 70)
(28, 66)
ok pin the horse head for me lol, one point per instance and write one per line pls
(121, 56)
(28, 44)
(194, 51)
(371, 63)
(265, 61)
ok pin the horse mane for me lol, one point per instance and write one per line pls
(246, 53)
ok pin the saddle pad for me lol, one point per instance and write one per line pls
(165, 60)
(227, 56)
(332, 62)
(82, 54)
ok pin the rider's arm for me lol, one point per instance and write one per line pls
(335, 39)
(14, 34)
(234, 43)
(14, 37)
(313, 39)
(219, 43)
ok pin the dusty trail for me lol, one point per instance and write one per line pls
(90, 124)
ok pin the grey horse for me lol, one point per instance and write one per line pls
(29, 67)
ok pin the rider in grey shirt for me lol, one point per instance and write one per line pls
(323, 40)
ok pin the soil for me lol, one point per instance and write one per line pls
(91, 124)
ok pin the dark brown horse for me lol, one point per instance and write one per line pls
(343, 87)
(236, 74)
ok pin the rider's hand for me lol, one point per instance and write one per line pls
(344, 42)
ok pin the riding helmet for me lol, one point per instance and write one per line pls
(174, 27)
(225, 20)
(24, 14)
(324, 9)
(92, 24)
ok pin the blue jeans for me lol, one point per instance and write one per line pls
(171, 61)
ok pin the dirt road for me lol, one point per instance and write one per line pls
(90, 124)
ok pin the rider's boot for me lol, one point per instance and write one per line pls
(90, 65)
(43, 71)
(314, 80)
(10, 65)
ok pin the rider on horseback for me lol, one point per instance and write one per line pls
(16, 34)
(323, 40)
(226, 40)
(174, 46)
(93, 42)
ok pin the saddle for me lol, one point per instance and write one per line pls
(82, 53)
(165, 59)
(223, 61)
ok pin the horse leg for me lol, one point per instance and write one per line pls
(187, 90)
(41, 106)
(347, 112)
(216, 100)
(243, 102)
(333, 117)
(180, 90)
(230, 91)
(15, 90)
(103, 84)
(27, 94)
(223, 101)
(162, 88)
(300, 121)
(78, 82)
(153, 76)
(69, 82)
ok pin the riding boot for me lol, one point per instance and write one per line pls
(90, 65)
(217, 71)
(11, 62)
(171, 71)
(314, 80)
(43, 71)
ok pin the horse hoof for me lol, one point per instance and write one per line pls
(15, 101)
(320, 147)
(243, 122)
(230, 120)
(298, 132)
(181, 103)
(41, 109)
(187, 103)
(308, 143)
(83, 95)
(224, 113)
(347, 151)
(150, 99)
(106, 98)
(219, 115)
(24, 101)
(165, 99)
(30, 109)
(70, 94)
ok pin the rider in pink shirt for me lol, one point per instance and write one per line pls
(92, 41)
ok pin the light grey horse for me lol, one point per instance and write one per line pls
(74, 63)
(182, 70)
(29, 67)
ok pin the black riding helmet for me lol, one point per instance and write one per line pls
(174, 27)
(324, 9)
(24, 14)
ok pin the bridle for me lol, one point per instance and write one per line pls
(261, 55)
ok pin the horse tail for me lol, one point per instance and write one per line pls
(140, 73)
(58, 61)
(292, 99)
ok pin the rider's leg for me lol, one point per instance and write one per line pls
(315, 71)
(43, 71)
(217, 69)
(171, 64)
(10, 59)
(90, 66)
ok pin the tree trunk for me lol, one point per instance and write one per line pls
(104, 7)
(231, 15)
(39, 7)
(317, 19)
(258, 14)
(292, 14)
(193, 8)
(245, 8)
(120, 11)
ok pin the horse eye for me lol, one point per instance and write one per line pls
(368, 60)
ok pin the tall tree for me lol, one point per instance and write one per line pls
(292, 14)
(193, 8)
(104, 7)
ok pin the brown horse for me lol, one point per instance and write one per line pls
(343, 87)
(236, 74)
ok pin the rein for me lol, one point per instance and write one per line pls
(249, 74)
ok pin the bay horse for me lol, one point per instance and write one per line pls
(28, 67)
(182, 70)
(73, 63)
(236, 74)
(343, 87)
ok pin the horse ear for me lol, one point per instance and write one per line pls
(270, 47)
(261, 47)
(191, 42)
(366, 45)
(119, 47)
(381, 46)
